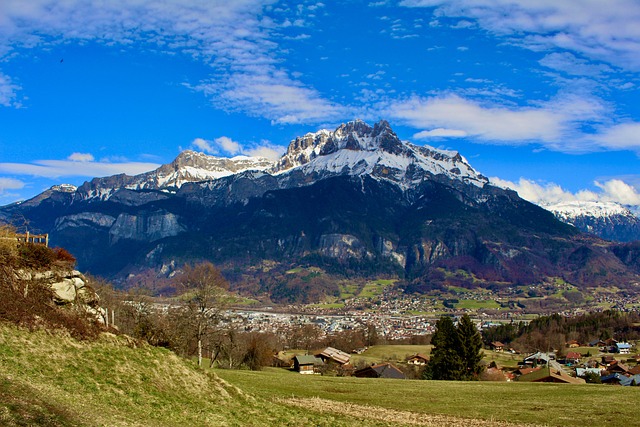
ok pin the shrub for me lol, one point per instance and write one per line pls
(36, 256)
(63, 255)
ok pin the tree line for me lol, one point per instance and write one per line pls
(554, 331)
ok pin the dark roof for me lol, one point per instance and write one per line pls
(307, 360)
(383, 370)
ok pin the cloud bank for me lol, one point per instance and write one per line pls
(614, 190)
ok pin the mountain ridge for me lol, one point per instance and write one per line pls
(353, 201)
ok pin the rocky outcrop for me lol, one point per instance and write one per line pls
(68, 286)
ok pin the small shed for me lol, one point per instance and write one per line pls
(383, 370)
(306, 364)
(573, 357)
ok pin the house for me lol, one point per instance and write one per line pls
(418, 359)
(306, 364)
(573, 344)
(608, 360)
(550, 375)
(524, 371)
(597, 343)
(619, 379)
(623, 348)
(538, 358)
(582, 372)
(635, 370)
(572, 358)
(383, 370)
(617, 367)
(334, 355)
(497, 346)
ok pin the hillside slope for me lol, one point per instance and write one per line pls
(52, 380)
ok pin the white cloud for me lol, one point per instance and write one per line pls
(63, 168)
(234, 37)
(440, 132)
(619, 191)
(81, 157)
(572, 65)
(622, 136)
(10, 184)
(614, 190)
(203, 145)
(496, 124)
(8, 92)
(267, 150)
(228, 145)
(606, 30)
(275, 97)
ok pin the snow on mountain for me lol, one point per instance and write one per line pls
(356, 148)
(191, 166)
(572, 209)
(608, 220)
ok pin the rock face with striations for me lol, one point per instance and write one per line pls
(355, 200)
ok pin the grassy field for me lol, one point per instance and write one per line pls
(527, 403)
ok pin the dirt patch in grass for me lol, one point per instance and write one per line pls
(393, 417)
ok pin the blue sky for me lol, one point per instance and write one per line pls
(542, 96)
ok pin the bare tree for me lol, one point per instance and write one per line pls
(204, 293)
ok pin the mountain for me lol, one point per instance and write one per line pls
(607, 220)
(355, 201)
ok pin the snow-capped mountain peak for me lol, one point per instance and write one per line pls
(609, 220)
(355, 148)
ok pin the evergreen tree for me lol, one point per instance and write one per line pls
(456, 353)
(470, 350)
(445, 362)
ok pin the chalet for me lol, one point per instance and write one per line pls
(497, 346)
(537, 359)
(617, 367)
(573, 344)
(572, 358)
(582, 372)
(597, 343)
(550, 375)
(418, 359)
(623, 348)
(333, 355)
(608, 360)
(306, 364)
(635, 370)
(383, 370)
